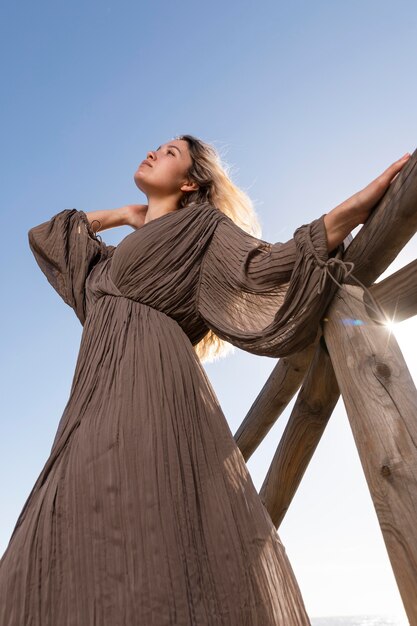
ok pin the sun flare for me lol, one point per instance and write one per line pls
(391, 325)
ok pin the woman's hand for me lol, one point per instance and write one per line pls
(135, 214)
(355, 210)
(367, 198)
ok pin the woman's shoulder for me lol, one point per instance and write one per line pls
(223, 221)
(234, 231)
(208, 208)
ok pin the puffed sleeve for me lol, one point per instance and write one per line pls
(66, 249)
(267, 298)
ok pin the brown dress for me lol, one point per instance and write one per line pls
(145, 512)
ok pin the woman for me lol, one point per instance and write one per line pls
(145, 512)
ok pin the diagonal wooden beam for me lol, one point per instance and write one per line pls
(396, 294)
(381, 403)
(304, 429)
(390, 226)
(372, 250)
(374, 247)
(281, 386)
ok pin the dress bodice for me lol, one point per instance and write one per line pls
(159, 265)
(199, 268)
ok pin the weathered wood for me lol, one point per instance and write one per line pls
(394, 207)
(396, 294)
(391, 225)
(381, 403)
(372, 251)
(304, 429)
(279, 389)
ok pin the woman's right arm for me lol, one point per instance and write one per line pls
(128, 215)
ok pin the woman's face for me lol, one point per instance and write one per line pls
(164, 171)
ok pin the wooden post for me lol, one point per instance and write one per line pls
(314, 405)
(390, 226)
(397, 294)
(279, 389)
(392, 223)
(381, 403)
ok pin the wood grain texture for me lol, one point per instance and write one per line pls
(397, 294)
(381, 403)
(315, 403)
(372, 250)
(373, 388)
(390, 226)
(283, 382)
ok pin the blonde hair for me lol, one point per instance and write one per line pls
(215, 186)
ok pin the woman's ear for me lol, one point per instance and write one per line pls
(189, 186)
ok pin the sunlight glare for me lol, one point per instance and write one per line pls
(391, 325)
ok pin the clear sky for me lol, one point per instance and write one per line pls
(307, 101)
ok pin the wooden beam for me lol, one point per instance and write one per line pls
(374, 247)
(281, 386)
(304, 429)
(381, 403)
(390, 226)
(397, 294)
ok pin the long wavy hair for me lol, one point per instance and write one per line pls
(215, 186)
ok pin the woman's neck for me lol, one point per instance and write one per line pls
(160, 206)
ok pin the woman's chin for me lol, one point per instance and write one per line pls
(138, 181)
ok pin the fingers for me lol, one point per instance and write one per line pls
(401, 162)
(397, 165)
(393, 170)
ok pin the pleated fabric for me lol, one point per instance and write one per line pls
(267, 299)
(145, 512)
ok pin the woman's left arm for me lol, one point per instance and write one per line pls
(341, 220)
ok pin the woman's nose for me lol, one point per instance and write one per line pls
(150, 155)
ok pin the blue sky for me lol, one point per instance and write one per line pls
(308, 102)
